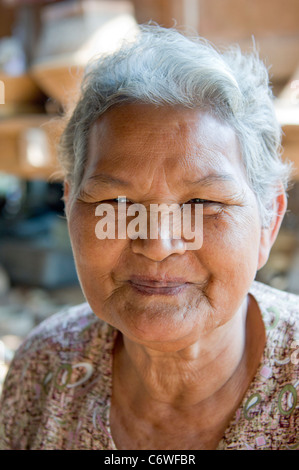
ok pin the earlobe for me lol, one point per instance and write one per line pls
(265, 248)
(66, 190)
(66, 194)
(269, 234)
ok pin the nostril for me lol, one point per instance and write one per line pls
(158, 250)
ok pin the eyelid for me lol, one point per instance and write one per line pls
(199, 201)
(113, 200)
(119, 200)
(204, 200)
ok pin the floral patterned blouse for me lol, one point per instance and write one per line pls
(58, 389)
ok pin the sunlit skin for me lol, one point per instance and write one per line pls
(190, 353)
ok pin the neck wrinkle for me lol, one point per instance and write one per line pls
(189, 376)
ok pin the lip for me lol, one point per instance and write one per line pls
(158, 286)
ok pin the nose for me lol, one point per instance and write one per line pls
(160, 242)
(158, 250)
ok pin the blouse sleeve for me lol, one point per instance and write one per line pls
(20, 404)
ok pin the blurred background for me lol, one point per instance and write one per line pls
(44, 46)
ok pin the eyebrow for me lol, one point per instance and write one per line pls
(211, 179)
(110, 180)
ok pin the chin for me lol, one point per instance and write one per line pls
(162, 332)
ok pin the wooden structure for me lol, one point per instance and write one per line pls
(273, 23)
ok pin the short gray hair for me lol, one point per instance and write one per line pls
(165, 67)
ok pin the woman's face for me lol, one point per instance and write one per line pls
(155, 291)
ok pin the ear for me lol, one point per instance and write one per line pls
(66, 195)
(269, 234)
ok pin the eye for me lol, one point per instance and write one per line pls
(203, 201)
(210, 208)
(120, 200)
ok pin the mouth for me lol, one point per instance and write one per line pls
(151, 286)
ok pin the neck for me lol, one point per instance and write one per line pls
(188, 376)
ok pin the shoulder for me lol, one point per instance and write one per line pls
(64, 325)
(65, 351)
(280, 312)
(63, 332)
(277, 384)
(268, 416)
(269, 295)
(72, 335)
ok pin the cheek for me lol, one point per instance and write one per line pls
(229, 255)
(95, 259)
(231, 246)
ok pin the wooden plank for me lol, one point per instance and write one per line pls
(13, 154)
(233, 19)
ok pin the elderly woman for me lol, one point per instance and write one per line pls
(176, 347)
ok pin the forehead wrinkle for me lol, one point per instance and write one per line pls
(213, 161)
(109, 180)
(203, 155)
(209, 180)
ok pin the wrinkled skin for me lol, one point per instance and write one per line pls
(155, 150)
(189, 356)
